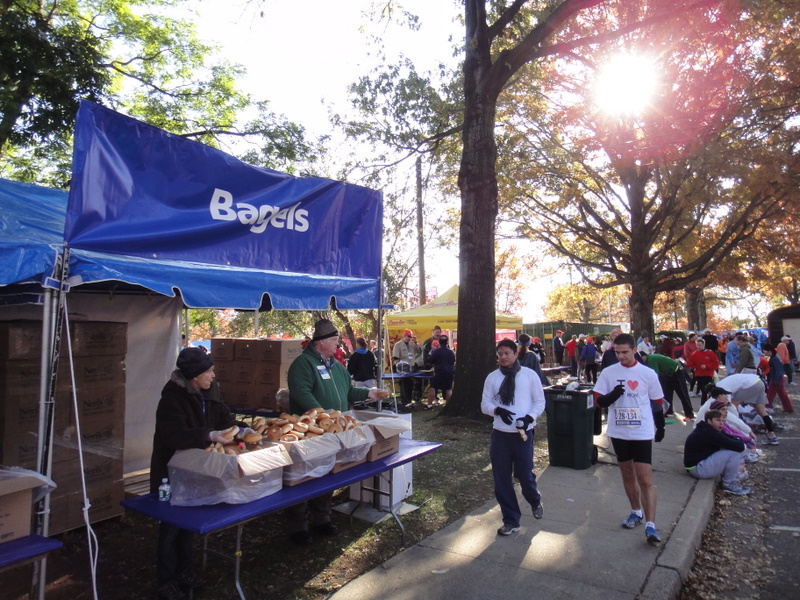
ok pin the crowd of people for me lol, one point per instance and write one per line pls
(735, 377)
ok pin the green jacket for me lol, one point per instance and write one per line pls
(314, 385)
(663, 365)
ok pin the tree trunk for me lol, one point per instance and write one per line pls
(694, 298)
(477, 180)
(642, 300)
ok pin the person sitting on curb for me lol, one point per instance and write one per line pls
(708, 453)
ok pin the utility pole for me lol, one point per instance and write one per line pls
(423, 298)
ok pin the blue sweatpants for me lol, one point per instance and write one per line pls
(513, 457)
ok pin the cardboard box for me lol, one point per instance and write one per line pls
(224, 371)
(278, 351)
(96, 437)
(222, 348)
(199, 477)
(99, 338)
(15, 505)
(20, 340)
(355, 444)
(98, 469)
(95, 371)
(19, 449)
(101, 404)
(21, 413)
(387, 430)
(245, 349)
(343, 466)
(310, 458)
(272, 374)
(104, 503)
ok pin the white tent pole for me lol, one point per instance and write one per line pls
(39, 579)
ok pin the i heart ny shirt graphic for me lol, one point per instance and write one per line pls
(632, 384)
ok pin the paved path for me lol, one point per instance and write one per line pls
(578, 550)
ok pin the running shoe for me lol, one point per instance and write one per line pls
(508, 529)
(771, 441)
(736, 488)
(538, 512)
(652, 535)
(632, 521)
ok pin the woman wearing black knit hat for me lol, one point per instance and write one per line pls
(190, 414)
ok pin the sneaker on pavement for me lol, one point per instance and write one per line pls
(736, 488)
(508, 529)
(751, 456)
(652, 535)
(687, 419)
(771, 441)
(632, 521)
(538, 512)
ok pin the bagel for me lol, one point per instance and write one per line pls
(325, 423)
(342, 422)
(274, 432)
(350, 425)
(307, 419)
(287, 428)
(334, 414)
(350, 418)
(301, 427)
(289, 437)
(230, 432)
(312, 412)
(252, 438)
(316, 430)
(280, 422)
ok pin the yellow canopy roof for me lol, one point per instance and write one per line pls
(443, 312)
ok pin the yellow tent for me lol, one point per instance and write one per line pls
(443, 312)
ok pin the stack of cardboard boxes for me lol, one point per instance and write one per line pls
(99, 368)
(250, 371)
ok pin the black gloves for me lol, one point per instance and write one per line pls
(506, 415)
(608, 399)
(524, 422)
(658, 417)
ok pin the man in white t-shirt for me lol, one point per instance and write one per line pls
(634, 399)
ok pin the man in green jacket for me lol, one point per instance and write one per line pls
(317, 380)
(671, 377)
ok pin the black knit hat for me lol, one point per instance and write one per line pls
(324, 329)
(193, 361)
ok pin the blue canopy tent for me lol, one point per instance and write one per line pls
(152, 212)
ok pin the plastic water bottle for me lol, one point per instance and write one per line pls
(164, 491)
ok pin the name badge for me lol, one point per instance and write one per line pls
(627, 417)
(323, 372)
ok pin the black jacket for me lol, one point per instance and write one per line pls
(183, 420)
(705, 441)
(361, 365)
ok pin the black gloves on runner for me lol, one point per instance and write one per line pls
(524, 422)
(506, 415)
(659, 419)
(608, 399)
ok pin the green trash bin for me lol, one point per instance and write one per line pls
(570, 426)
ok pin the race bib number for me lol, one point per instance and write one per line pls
(627, 417)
